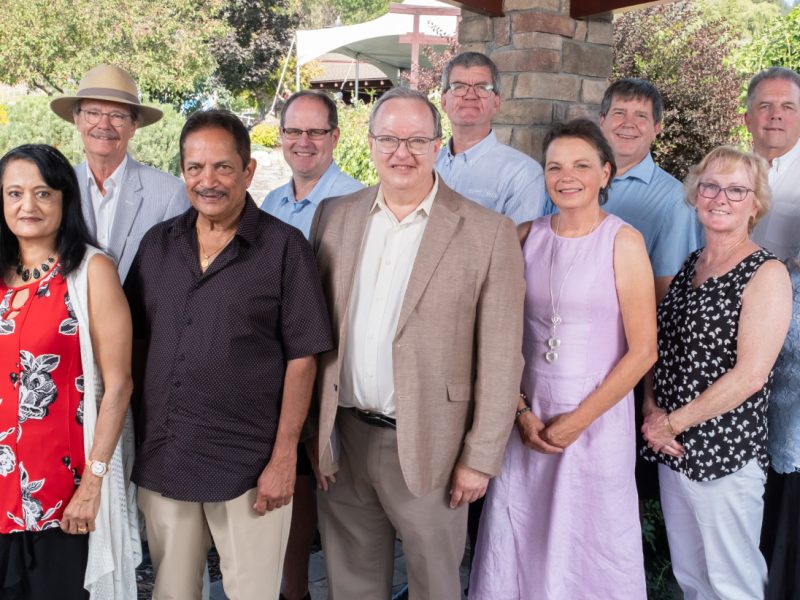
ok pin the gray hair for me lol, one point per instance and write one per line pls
(467, 60)
(771, 73)
(407, 94)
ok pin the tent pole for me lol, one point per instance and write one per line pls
(283, 72)
(357, 78)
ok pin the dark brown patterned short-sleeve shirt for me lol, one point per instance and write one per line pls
(216, 350)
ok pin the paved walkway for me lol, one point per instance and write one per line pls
(271, 172)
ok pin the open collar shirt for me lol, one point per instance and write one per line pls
(387, 257)
(496, 176)
(105, 205)
(777, 231)
(216, 350)
(282, 204)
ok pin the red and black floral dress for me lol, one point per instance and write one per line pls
(41, 404)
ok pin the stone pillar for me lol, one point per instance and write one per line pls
(552, 67)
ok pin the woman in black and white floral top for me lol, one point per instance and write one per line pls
(720, 328)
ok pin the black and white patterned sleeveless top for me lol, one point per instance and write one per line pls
(697, 338)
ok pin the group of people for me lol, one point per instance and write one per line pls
(473, 326)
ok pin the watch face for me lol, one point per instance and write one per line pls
(99, 468)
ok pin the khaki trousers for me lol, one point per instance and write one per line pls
(251, 547)
(369, 503)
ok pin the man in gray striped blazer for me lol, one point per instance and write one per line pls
(121, 198)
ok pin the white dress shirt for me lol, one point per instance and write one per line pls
(105, 205)
(777, 231)
(379, 287)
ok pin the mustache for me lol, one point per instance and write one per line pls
(209, 192)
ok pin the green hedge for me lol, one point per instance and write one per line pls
(30, 120)
(265, 135)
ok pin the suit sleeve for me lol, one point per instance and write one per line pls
(498, 354)
(178, 203)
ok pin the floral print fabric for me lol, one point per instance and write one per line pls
(698, 330)
(41, 404)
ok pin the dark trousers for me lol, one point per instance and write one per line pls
(43, 565)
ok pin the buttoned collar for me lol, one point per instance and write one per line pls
(423, 207)
(319, 192)
(112, 182)
(247, 229)
(472, 155)
(643, 170)
(781, 162)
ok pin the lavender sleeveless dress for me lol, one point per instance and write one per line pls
(566, 526)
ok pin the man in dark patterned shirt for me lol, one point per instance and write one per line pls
(228, 303)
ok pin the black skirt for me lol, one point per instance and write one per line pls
(43, 565)
(780, 535)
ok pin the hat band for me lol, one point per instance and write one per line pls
(124, 96)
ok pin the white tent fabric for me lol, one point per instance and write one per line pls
(377, 41)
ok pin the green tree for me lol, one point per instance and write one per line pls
(684, 54)
(749, 18)
(778, 46)
(49, 44)
(251, 55)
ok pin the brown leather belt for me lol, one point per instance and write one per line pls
(375, 419)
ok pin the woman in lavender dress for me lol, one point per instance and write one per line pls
(561, 520)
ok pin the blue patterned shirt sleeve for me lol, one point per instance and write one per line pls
(784, 402)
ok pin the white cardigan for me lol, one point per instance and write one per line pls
(114, 547)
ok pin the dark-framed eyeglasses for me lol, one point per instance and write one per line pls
(93, 116)
(734, 193)
(459, 89)
(292, 133)
(388, 144)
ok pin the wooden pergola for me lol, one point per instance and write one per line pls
(578, 8)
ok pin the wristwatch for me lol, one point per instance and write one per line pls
(98, 468)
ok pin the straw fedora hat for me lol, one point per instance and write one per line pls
(110, 84)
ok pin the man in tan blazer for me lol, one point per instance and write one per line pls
(425, 290)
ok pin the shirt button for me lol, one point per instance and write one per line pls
(189, 321)
(177, 384)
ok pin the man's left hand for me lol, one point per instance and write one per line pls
(467, 485)
(275, 486)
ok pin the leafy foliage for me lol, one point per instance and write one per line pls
(250, 56)
(779, 45)
(265, 135)
(749, 18)
(30, 121)
(50, 44)
(660, 582)
(429, 79)
(352, 152)
(683, 53)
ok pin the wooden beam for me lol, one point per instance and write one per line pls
(430, 40)
(421, 9)
(491, 8)
(585, 8)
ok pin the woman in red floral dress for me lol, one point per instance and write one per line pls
(52, 462)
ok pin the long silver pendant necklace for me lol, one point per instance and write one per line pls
(553, 342)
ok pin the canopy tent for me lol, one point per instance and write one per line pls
(383, 42)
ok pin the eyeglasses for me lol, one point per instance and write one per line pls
(388, 144)
(482, 90)
(117, 119)
(292, 133)
(734, 193)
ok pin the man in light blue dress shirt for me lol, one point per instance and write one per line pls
(642, 193)
(474, 163)
(309, 134)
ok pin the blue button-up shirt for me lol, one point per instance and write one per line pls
(495, 176)
(652, 201)
(282, 204)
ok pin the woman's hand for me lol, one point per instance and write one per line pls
(659, 435)
(563, 430)
(529, 427)
(82, 509)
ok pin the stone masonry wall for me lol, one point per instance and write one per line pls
(552, 67)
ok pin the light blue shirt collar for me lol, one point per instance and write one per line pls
(642, 171)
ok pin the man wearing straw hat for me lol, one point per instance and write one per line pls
(122, 198)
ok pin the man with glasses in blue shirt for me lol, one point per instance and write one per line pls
(309, 134)
(473, 162)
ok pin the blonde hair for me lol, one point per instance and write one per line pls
(727, 159)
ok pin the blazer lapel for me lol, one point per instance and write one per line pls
(82, 173)
(128, 204)
(355, 224)
(442, 224)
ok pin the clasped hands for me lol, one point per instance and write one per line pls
(551, 437)
(659, 434)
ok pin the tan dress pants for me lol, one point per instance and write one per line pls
(251, 546)
(368, 505)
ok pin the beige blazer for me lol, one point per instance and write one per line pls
(457, 352)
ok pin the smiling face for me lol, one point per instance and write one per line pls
(216, 180)
(308, 158)
(103, 142)
(574, 173)
(403, 173)
(773, 118)
(32, 209)
(470, 110)
(719, 214)
(630, 129)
